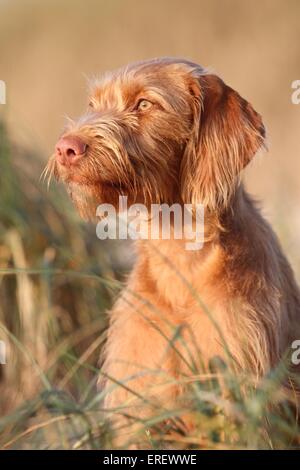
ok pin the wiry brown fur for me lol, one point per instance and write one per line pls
(190, 147)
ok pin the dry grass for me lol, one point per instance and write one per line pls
(50, 271)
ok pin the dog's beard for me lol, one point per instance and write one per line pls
(85, 199)
(105, 174)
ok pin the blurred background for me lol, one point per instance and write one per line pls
(57, 278)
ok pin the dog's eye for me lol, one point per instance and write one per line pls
(144, 105)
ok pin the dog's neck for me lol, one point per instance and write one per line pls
(170, 258)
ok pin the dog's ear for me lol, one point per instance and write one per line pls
(226, 134)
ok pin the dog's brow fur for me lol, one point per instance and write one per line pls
(191, 147)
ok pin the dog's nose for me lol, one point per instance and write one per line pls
(69, 149)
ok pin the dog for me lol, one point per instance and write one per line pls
(167, 131)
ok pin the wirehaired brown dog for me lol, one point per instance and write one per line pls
(166, 131)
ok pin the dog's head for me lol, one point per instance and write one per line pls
(160, 131)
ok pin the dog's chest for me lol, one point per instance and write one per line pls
(187, 280)
(193, 290)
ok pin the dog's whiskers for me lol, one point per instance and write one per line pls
(47, 173)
